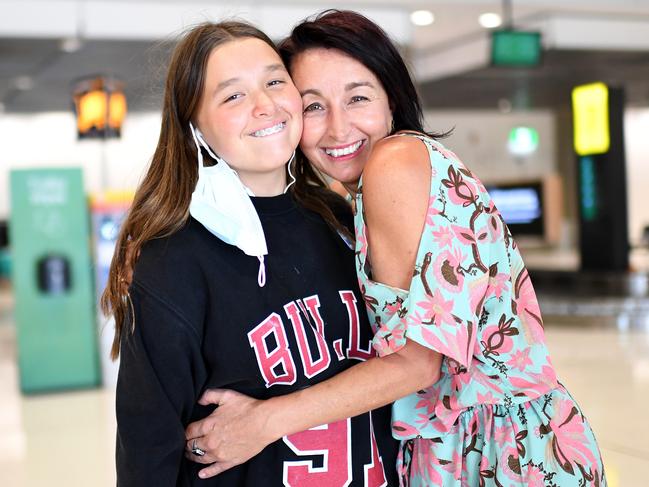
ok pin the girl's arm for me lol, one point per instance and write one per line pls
(396, 185)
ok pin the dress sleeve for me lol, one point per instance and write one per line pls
(443, 305)
(160, 378)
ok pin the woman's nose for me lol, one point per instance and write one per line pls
(339, 124)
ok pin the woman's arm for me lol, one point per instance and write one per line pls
(396, 185)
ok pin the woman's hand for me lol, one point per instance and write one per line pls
(231, 435)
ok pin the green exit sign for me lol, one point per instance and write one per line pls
(515, 48)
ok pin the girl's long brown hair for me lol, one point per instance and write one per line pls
(161, 203)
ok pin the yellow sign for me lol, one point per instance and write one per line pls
(590, 119)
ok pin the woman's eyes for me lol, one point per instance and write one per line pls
(313, 107)
(317, 106)
(276, 82)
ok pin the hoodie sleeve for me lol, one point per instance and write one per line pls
(161, 375)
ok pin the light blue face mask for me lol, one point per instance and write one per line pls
(221, 203)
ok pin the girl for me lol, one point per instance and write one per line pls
(242, 280)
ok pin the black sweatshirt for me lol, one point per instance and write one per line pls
(202, 321)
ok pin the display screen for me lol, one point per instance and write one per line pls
(521, 206)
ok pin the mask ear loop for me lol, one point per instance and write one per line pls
(290, 173)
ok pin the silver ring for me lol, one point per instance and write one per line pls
(199, 452)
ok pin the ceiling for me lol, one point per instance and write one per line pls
(546, 86)
(141, 64)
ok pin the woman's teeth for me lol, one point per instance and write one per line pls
(270, 130)
(350, 149)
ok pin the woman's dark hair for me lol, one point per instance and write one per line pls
(358, 37)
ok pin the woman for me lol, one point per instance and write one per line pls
(445, 275)
(234, 290)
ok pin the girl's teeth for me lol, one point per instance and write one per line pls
(346, 151)
(269, 130)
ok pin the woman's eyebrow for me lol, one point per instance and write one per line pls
(310, 91)
(356, 84)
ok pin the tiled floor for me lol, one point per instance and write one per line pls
(67, 439)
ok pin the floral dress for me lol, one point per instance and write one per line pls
(497, 415)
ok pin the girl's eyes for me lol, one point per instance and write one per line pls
(358, 98)
(230, 98)
(236, 96)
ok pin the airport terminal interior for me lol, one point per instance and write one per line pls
(547, 102)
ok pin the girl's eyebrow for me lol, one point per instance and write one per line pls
(269, 69)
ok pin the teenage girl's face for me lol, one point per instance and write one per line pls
(346, 111)
(250, 113)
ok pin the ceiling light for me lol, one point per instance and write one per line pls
(70, 44)
(490, 20)
(422, 17)
(24, 83)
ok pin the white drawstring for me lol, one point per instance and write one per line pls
(290, 173)
(261, 276)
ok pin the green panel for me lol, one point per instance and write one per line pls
(515, 48)
(56, 328)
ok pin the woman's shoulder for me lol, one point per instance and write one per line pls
(398, 160)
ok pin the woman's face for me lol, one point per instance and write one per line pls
(250, 113)
(346, 111)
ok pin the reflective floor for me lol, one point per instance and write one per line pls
(67, 439)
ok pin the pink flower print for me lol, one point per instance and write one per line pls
(460, 191)
(498, 284)
(436, 309)
(404, 430)
(446, 268)
(464, 234)
(510, 464)
(526, 306)
(444, 237)
(456, 343)
(422, 420)
(503, 434)
(520, 359)
(393, 307)
(422, 464)
(428, 398)
(416, 319)
(534, 477)
(432, 211)
(361, 243)
(453, 466)
(569, 443)
(494, 223)
(539, 383)
(487, 398)
(478, 289)
(496, 342)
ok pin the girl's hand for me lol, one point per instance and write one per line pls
(231, 435)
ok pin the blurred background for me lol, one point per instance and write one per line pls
(549, 105)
